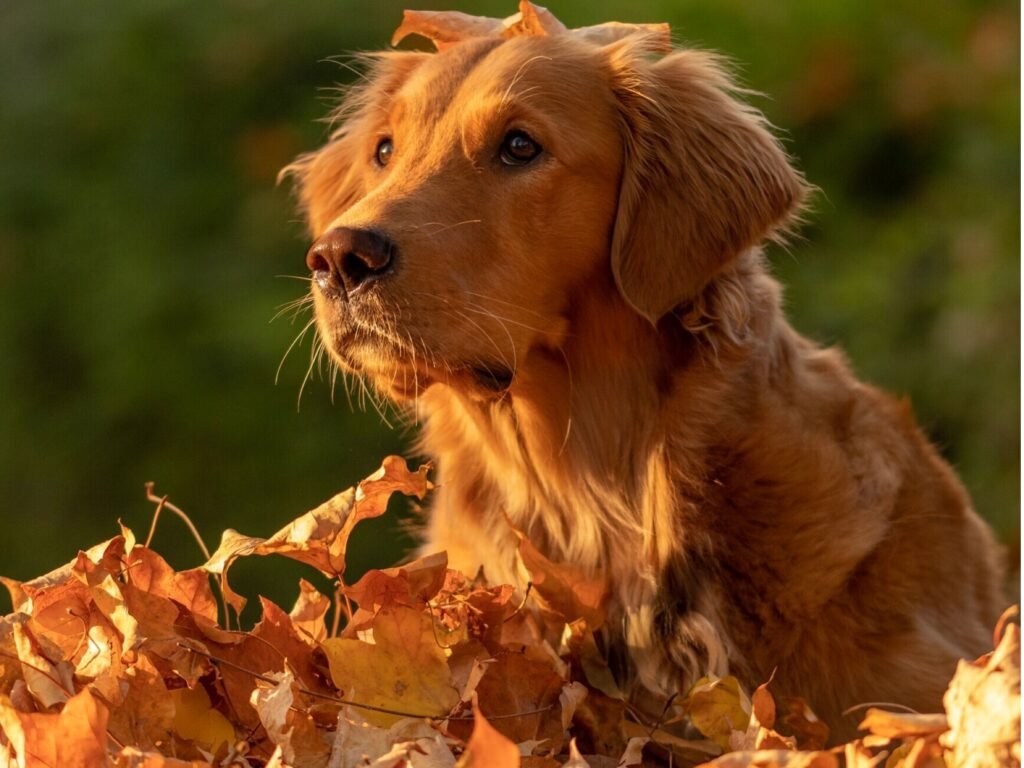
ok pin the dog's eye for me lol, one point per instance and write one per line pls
(385, 148)
(518, 148)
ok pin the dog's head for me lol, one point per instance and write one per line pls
(468, 194)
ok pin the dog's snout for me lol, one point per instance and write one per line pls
(350, 259)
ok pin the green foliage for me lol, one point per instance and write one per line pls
(141, 232)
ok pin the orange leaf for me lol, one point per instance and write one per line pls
(320, 537)
(487, 748)
(565, 589)
(150, 573)
(902, 725)
(811, 733)
(75, 738)
(411, 584)
(983, 706)
(288, 726)
(309, 611)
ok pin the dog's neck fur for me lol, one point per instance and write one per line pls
(589, 419)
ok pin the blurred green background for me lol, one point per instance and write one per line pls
(141, 236)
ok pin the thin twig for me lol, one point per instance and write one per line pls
(161, 502)
(661, 717)
(338, 595)
(519, 608)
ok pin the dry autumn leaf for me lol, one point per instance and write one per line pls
(718, 707)
(116, 659)
(446, 28)
(983, 707)
(319, 538)
(196, 720)
(902, 725)
(302, 743)
(486, 747)
(563, 589)
(404, 669)
(76, 737)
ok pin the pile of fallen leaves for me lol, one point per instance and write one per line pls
(118, 660)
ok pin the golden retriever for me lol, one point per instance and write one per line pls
(548, 242)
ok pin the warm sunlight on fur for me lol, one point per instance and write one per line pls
(547, 246)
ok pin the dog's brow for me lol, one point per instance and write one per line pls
(519, 74)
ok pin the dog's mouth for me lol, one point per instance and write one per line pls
(403, 372)
(367, 339)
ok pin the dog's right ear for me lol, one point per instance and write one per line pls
(329, 180)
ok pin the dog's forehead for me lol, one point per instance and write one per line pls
(491, 67)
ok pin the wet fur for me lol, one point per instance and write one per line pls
(753, 505)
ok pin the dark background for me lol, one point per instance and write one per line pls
(142, 236)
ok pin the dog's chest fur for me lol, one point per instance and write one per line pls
(492, 485)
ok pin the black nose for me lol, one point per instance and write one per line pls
(352, 259)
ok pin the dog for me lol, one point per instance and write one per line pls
(548, 243)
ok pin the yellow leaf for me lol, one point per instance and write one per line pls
(196, 720)
(404, 669)
(718, 706)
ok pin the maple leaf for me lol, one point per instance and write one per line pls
(404, 669)
(406, 743)
(74, 738)
(411, 584)
(320, 537)
(145, 715)
(810, 731)
(523, 681)
(150, 573)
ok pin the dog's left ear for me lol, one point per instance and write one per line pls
(703, 178)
